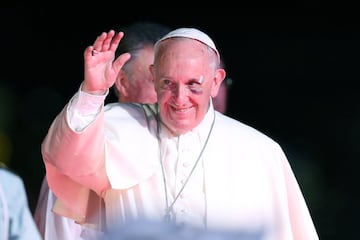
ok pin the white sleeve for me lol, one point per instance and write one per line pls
(83, 109)
(51, 225)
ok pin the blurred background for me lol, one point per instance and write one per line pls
(294, 74)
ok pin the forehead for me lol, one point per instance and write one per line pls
(182, 49)
(182, 59)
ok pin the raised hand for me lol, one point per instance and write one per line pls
(100, 67)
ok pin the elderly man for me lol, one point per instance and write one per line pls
(134, 83)
(177, 160)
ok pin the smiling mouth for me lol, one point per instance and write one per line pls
(181, 110)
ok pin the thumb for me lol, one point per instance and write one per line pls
(120, 61)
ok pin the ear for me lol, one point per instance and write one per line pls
(121, 84)
(152, 71)
(218, 78)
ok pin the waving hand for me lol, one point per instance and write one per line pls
(101, 67)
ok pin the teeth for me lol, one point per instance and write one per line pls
(181, 110)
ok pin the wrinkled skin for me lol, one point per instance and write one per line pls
(185, 73)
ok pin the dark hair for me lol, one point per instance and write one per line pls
(140, 34)
(137, 36)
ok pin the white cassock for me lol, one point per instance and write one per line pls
(227, 177)
(53, 226)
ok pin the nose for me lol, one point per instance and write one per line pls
(181, 93)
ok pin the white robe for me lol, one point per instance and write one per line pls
(243, 181)
(53, 226)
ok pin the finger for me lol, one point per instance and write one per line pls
(107, 41)
(115, 41)
(88, 52)
(120, 61)
(99, 41)
(94, 52)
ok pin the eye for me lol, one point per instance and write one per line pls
(194, 84)
(166, 84)
(195, 87)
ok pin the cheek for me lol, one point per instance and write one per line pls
(162, 96)
(163, 102)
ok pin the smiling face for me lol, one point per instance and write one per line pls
(186, 76)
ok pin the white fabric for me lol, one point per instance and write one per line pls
(4, 216)
(180, 153)
(248, 183)
(53, 226)
(191, 33)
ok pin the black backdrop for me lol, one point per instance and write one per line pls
(294, 77)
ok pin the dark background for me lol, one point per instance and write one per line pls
(294, 71)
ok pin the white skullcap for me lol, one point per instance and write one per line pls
(191, 33)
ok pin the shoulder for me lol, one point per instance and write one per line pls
(131, 109)
(12, 184)
(131, 115)
(8, 176)
(238, 131)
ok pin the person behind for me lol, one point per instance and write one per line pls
(133, 84)
(16, 221)
(178, 160)
(220, 101)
